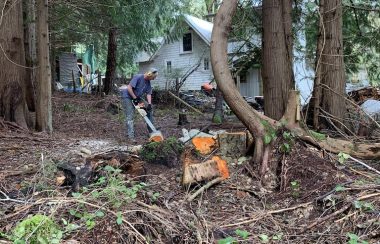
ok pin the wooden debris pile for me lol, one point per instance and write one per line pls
(83, 172)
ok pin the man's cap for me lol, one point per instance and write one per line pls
(152, 72)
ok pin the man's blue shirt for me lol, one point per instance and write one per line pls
(140, 86)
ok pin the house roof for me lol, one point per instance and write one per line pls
(204, 29)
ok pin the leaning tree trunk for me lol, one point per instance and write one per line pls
(250, 118)
(330, 80)
(218, 112)
(111, 61)
(253, 120)
(43, 113)
(277, 62)
(12, 63)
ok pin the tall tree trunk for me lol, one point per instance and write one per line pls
(30, 52)
(218, 112)
(277, 69)
(315, 100)
(43, 113)
(111, 60)
(331, 76)
(12, 62)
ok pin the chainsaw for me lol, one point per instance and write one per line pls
(155, 135)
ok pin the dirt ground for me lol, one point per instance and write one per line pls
(319, 200)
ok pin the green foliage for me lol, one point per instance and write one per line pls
(361, 36)
(317, 136)
(217, 119)
(116, 192)
(68, 107)
(164, 152)
(354, 239)
(264, 238)
(88, 218)
(277, 237)
(228, 240)
(37, 229)
(339, 188)
(242, 233)
(289, 141)
(342, 157)
(295, 186)
(270, 132)
(365, 206)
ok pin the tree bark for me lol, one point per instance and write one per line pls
(218, 112)
(250, 118)
(12, 63)
(277, 72)
(315, 101)
(30, 52)
(111, 61)
(43, 113)
(331, 76)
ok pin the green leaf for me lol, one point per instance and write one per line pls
(109, 168)
(368, 206)
(228, 240)
(55, 241)
(358, 204)
(119, 219)
(76, 194)
(267, 139)
(277, 236)
(353, 238)
(99, 214)
(64, 221)
(339, 188)
(242, 233)
(264, 238)
(95, 194)
(342, 157)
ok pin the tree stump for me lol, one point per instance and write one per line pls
(78, 176)
(232, 144)
(182, 119)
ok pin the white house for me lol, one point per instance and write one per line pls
(191, 54)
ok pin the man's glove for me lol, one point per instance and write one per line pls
(149, 108)
(136, 101)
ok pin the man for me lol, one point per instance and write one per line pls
(133, 93)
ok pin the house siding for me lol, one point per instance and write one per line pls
(252, 87)
(182, 61)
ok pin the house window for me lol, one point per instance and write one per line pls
(187, 42)
(206, 64)
(168, 67)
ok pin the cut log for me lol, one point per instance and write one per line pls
(205, 145)
(232, 144)
(197, 172)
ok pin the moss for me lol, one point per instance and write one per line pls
(317, 136)
(217, 119)
(166, 152)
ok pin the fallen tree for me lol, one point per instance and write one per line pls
(263, 128)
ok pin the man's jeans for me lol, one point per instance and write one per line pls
(129, 111)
